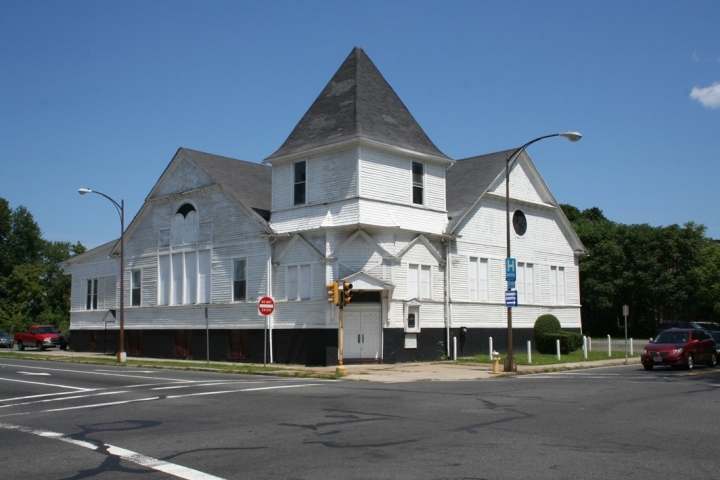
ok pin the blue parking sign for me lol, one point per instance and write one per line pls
(510, 269)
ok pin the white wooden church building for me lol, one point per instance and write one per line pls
(358, 193)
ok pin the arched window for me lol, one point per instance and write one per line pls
(185, 224)
(184, 273)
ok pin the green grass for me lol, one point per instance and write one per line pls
(543, 359)
(220, 367)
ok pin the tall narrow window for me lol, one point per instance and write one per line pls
(204, 267)
(557, 285)
(190, 278)
(164, 280)
(300, 183)
(473, 278)
(412, 281)
(178, 273)
(239, 281)
(525, 283)
(91, 301)
(136, 283)
(305, 282)
(418, 183)
(292, 282)
(425, 282)
(478, 278)
(483, 277)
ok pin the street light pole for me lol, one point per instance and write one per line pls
(120, 207)
(510, 364)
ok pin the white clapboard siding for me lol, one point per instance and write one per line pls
(185, 176)
(385, 176)
(435, 186)
(521, 186)
(332, 176)
(282, 186)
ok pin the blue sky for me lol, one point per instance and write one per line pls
(101, 94)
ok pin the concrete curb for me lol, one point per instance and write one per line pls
(383, 373)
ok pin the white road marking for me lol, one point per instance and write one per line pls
(48, 384)
(199, 385)
(27, 397)
(61, 399)
(134, 457)
(100, 404)
(34, 373)
(99, 373)
(243, 390)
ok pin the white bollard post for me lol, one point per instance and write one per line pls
(589, 344)
(557, 346)
(529, 351)
(609, 347)
(585, 346)
(631, 349)
(491, 349)
(454, 348)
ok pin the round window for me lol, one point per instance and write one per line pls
(519, 222)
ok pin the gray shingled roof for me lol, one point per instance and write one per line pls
(249, 183)
(468, 179)
(357, 103)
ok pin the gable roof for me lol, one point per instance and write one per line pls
(468, 180)
(357, 103)
(249, 183)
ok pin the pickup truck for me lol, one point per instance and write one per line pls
(41, 337)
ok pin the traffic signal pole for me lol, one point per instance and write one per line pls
(340, 294)
(340, 370)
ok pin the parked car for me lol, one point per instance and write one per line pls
(41, 337)
(5, 340)
(680, 347)
(716, 337)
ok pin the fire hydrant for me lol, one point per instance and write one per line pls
(496, 362)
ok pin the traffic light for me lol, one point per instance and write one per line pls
(333, 294)
(347, 293)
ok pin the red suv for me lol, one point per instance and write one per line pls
(680, 347)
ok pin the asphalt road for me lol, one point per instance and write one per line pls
(73, 421)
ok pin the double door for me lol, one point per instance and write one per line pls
(362, 332)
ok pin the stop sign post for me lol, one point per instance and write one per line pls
(266, 306)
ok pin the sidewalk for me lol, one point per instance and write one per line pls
(384, 373)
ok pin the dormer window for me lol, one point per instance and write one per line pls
(300, 183)
(418, 183)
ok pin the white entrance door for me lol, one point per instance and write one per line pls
(362, 332)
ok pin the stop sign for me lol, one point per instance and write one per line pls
(266, 306)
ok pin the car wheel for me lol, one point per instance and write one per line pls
(39, 347)
(689, 362)
(713, 360)
(648, 366)
(20, 346)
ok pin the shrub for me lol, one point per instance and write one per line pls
(569, 342)
(547, 330)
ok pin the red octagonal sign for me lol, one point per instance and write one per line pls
(266, 306)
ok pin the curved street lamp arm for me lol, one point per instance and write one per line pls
(119, 209)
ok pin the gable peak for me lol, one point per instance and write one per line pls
(357, 103)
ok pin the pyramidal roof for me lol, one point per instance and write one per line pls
(357, 103)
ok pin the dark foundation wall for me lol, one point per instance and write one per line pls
(309, 347)
(303, 347)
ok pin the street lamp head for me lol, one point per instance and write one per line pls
(572, 136)
(83, 191)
